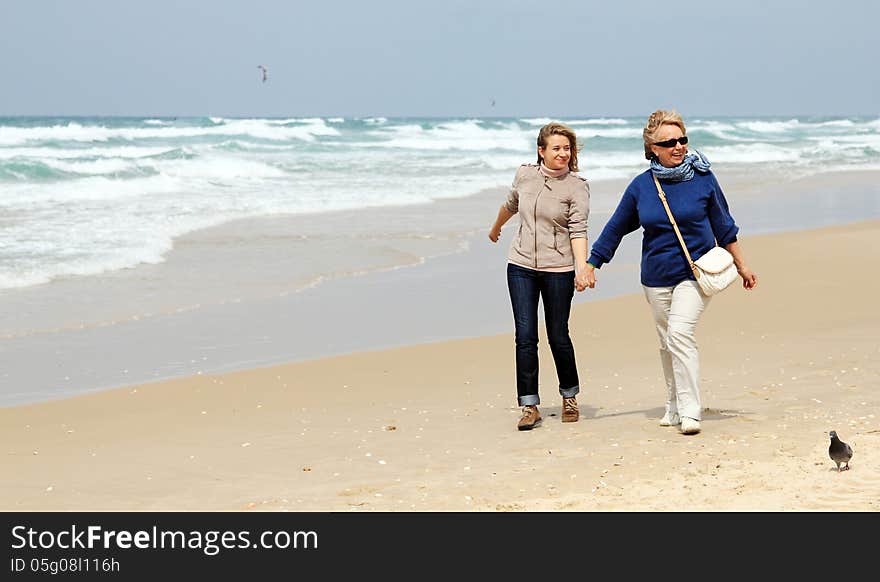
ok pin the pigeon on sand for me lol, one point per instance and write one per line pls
(839, 451)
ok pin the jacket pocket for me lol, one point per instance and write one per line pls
(559, 238)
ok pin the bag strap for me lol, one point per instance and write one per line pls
(675, 226)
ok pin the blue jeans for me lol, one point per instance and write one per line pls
(556, 291)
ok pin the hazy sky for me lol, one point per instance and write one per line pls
(440, 58)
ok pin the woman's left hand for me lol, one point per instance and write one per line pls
(750, 280)
(586, 277)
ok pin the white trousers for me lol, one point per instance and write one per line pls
(676, 312)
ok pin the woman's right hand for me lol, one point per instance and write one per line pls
(494, 234)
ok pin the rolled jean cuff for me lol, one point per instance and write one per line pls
(529, 400)
(570, 392)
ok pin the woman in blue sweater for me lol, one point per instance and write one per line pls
(700, 209)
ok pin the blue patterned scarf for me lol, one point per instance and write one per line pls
(684, 171)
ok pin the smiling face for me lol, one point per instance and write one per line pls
(556, 152)
(669, 156)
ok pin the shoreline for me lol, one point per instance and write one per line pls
(230, 298)
(431, 427)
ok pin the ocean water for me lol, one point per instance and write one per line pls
(133, 250)
(92, 196)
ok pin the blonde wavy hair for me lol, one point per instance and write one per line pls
(658, 119)
(564, 130)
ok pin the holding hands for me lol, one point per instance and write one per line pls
(585, 277)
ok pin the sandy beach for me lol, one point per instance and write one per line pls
(431, 427)
(276, 290)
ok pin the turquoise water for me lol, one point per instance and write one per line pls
(91, 195)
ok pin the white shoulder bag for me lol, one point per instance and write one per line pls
(715, 270)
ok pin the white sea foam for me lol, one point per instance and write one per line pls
(43, 153)
(609, 132)
(288, 121)
(505, 162)
(599, 121)
(123, 191)
(600, 173)
(102, 166)
(837, 123)
(721, 130)
(218, 168)
(92, 245)
(258, 128)
(539, 121)
(456, 135)
(606, 159)
(769, 126)
(871, 140)
(36, 195)
(244, 144)
(751, 154)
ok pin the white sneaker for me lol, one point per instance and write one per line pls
(670, 419)
(689, 425)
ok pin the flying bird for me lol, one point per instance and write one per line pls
(839, 451)
(265, 72)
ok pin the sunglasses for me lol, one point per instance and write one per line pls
(670, 143)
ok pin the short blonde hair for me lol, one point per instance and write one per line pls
(658, 119)
(560, 129)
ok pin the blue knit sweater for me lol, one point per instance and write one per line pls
(699, 208)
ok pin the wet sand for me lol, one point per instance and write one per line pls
(293, 288)
(432, 426)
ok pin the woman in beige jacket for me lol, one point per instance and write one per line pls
(547, 260)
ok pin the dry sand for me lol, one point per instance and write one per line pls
(432, 427)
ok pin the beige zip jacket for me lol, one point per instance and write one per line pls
(552, 211)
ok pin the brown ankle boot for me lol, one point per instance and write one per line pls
(570, 412)
(530, 418)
